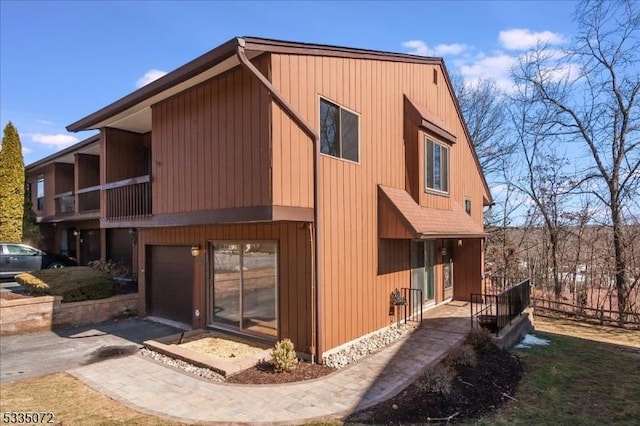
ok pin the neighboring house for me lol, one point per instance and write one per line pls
(64, 189)
(241, 224)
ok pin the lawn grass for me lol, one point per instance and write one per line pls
(71, 402)
(575, 381)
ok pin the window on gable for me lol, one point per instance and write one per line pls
(467, 205)
(436, 166)
(40, 193)
(338, 131)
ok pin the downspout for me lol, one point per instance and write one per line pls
(316, 273)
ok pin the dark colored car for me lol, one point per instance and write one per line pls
(18, 258)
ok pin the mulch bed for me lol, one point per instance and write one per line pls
(264, 373)
(475, 391)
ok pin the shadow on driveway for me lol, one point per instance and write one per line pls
(38, 354)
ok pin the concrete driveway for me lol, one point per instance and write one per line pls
(38, 354)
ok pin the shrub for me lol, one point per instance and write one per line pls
(116, 269)
(462, 356)
(73, 284)
(437, 379)
(479, 339)
(284, 356)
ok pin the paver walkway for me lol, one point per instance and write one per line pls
(165, 392)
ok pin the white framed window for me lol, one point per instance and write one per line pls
(339, 131)
(467, 205)
(436, 166)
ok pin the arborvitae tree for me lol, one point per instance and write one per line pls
(30, 230)
(11, 186)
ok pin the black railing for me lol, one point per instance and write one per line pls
(414, 305)
(494, 312)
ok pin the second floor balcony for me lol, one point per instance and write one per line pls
(127, 199)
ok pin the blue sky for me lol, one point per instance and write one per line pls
(60, 61)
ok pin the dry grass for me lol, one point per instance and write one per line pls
(599, 333)
(71, 402)
(221, 348)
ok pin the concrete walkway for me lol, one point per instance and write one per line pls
(169, 393)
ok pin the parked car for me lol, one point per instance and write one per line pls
(18, 258)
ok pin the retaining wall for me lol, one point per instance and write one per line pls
(41, 313)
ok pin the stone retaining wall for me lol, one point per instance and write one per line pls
(41, 313)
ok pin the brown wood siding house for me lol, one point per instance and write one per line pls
(284, 190)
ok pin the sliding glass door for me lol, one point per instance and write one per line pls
(244, 286)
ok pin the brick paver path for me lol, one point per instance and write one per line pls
(169, 393)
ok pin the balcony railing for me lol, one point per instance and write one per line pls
(65, 203)
(494, 312)
(128, 199)
(89, 199)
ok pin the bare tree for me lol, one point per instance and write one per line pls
(591, 93)
(483, 108)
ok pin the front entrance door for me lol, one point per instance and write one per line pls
(244, 286)
(422, 269)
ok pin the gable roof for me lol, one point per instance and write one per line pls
(221, 59)
(133, 112)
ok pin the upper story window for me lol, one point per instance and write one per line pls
(436, 166)
(467, 205)
(339, 133)
(40, 193)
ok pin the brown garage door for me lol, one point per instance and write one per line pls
(170, 282)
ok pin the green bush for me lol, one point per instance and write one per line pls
(462, 356)
(284, 356)
(73, 284)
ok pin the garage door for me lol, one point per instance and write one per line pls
(170, 282)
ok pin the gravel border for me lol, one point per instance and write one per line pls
(183, 365)
(340, 359)
(368, 345)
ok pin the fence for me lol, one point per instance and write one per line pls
(547, 307)
(495, 311)
(128, 199)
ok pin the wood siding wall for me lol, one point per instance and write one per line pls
(211, 145)
(356, 297)
(64, 180)
(49, 174)
(294, 268)
(467, 271)
(122, 154)
(87, 170)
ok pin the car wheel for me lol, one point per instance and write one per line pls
(55, 265)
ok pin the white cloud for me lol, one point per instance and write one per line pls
(523, 38)
(26, 150)
(45, 122)
(149, 76)
(496, 67)
(59, 140)
(419, 47)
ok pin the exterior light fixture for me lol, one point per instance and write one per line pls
(459, 243)
(195, 251)
(76, 233)
(443, 251)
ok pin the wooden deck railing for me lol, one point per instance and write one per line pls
(65, 203)
(128, 199)
(89, 199)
